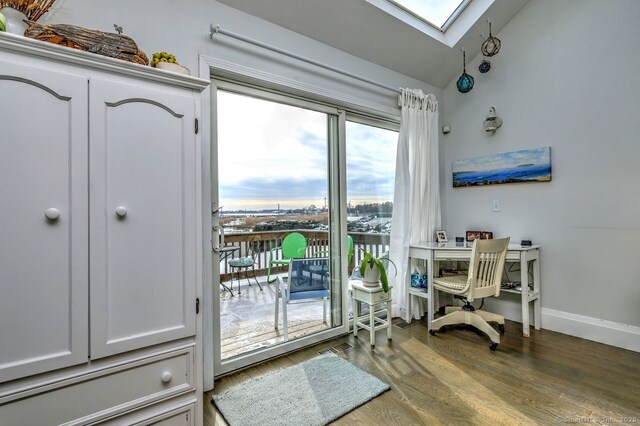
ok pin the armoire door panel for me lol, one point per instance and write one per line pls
(44, 227)
(143, 240)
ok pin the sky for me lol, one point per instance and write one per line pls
(507, 160)
(272, 154)
(435, 11)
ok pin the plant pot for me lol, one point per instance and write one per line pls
(168, 66)
(371, 276)
(14, 20)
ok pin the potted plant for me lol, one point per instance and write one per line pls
(373, 272)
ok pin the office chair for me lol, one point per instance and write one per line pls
(483, 280)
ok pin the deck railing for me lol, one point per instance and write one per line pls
(317, 241)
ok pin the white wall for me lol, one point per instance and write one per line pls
(182, 28)
(566, 77)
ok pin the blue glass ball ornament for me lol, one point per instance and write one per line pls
(484, 66)
(465, 83)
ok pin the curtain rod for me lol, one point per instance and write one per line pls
(217, 30)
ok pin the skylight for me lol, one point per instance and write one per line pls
(439, 13)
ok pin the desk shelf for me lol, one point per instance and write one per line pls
(419, 293)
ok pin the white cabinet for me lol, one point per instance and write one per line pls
(43, 261)
(143, 204)
(99, 239)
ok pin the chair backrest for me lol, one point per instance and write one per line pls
(294, 246)
(350, 249)
(308, 278)
(254, 247)
(486, 268)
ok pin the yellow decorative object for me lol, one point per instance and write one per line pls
(159, 57)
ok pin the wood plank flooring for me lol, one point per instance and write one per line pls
(454, 379)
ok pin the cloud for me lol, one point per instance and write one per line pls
(271, 153)
(505, 160)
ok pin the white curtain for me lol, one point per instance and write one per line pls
(416, 202)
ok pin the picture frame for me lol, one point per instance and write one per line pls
(486, 235)
(473, 235)
(441, 236)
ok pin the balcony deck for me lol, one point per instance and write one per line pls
(247, 319)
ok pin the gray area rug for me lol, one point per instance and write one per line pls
(315, 392)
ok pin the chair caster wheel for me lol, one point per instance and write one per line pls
(432, 332)
(493, 346)
(501, 328)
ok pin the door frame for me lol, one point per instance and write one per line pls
(300, 86)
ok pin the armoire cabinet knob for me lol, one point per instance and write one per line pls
(166, 377)
(121, 211)
(52, 214)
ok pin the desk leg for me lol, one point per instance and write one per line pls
(430, 296)
(356, 312)
(524, 283)
(408, 317)
(537, 310)
(389, 319)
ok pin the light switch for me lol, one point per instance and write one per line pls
(497, 206)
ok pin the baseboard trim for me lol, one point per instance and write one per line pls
(598, 330)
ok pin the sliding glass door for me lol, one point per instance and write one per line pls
(371, 146)
(278, 268)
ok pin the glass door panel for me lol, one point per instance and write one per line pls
(274, 186)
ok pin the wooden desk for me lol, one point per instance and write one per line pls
(435, 252)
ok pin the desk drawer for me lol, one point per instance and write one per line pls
(371, 298)
(380, 297)
(102, 394)
(464, 255)
(452, 255)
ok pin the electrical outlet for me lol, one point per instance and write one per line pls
(496, 206)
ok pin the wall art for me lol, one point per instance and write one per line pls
(528, 165)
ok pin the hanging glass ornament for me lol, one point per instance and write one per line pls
(491, 46)
(465, 82)
(484, 66)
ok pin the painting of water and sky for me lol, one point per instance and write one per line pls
(527, 165)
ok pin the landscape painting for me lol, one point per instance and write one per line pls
(527, 165)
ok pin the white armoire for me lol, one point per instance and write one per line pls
(100, 240)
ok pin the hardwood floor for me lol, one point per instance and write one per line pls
(453, 378)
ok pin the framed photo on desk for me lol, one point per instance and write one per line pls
(473, 235)
(441, 236)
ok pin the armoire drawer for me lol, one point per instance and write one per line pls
(101, 394)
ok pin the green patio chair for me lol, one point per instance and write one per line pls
(323, 269)
(294, 246)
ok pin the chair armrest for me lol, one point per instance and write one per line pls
(274, 249)
(283, 288)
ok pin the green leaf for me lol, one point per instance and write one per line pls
(384, 280)
(365, 260)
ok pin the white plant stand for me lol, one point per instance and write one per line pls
(371, 296)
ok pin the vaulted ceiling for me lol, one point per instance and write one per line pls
(363, 30)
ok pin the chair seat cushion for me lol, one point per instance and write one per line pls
(242, 262)
(313, 294)
(455, 284)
